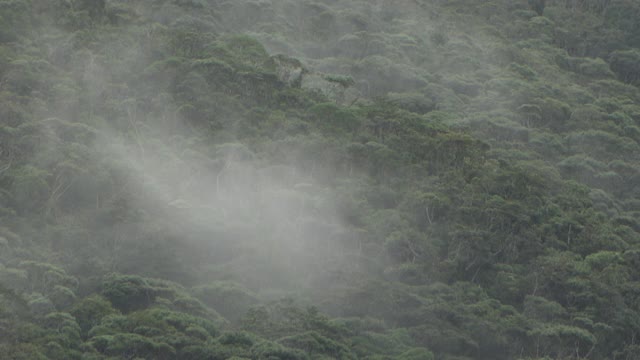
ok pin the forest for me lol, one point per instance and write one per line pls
(320, 179)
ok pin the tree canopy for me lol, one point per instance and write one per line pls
(319, 179)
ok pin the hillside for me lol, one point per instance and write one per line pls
(319, 179)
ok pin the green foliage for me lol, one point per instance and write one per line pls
(269, 350)
(334, 119)
(127, 292)
(451, 179)
(626, 64)
(312, 343)
(345, 81)
(30, 188)
(132, 345)
(416, 354)
(231, 300)
(90, 311)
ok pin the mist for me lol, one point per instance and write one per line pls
(221, 211)
(278, 179)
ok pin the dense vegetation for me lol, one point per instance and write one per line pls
(317, 179)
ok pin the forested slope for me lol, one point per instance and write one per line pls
(328, 179)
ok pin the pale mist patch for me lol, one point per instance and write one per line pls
(275, 228)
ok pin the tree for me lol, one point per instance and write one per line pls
(537, 6)
(626, 64)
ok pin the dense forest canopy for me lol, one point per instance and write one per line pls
(320, 179)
